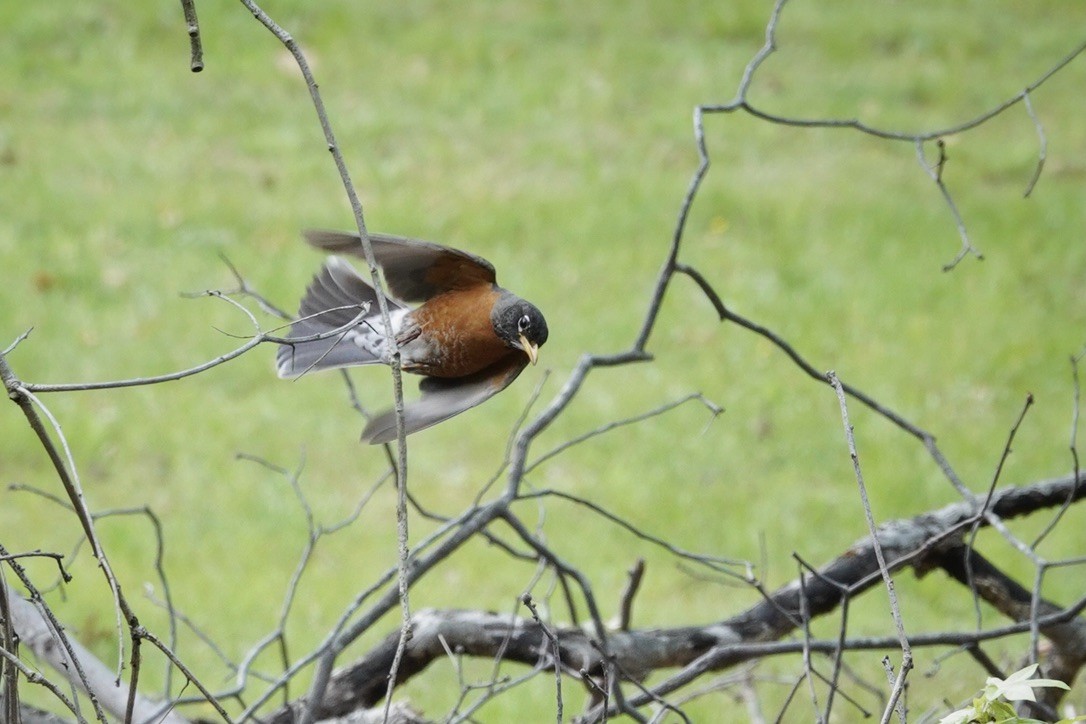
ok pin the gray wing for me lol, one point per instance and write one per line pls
(414, 270)
(336, 285)
(444, 398)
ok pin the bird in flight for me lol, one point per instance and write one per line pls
(467, 336)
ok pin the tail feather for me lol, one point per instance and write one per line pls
(334, 298)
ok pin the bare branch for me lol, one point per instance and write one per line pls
(917, 138)
(1042, 142)
(615, 424)
(936, 174)
(737, 639)
(613, 664)
(36, 632)
(633, 583)
(556, 654)
(196, 64)
(895, 610)
(1072, 446)
(320, 680)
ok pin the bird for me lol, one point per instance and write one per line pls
(468, 337)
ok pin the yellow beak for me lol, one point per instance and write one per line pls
(532, 350)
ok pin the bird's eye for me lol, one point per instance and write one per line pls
(523, 323)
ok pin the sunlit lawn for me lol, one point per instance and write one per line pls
(557, 142)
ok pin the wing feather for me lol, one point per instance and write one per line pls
(333, 300)
(414, 270)
(443, 398)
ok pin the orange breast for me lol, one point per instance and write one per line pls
(457, 325)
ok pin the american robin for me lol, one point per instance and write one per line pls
(469, 337)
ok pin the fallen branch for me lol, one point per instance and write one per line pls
(37, 633)
(927, 541)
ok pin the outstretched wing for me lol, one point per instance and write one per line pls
(443, 398)
(336, 297)
(414, 270)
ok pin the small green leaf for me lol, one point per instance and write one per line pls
(1000, 710)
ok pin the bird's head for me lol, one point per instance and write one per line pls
(520, 325)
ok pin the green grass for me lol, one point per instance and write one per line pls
(555, 141)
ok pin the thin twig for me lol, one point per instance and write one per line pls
(324, 667)
(808, 671)
(895, 611)
(988, 500)
(615, 424)
(556, 653)
(633, 583)
(196, 62)
(258, 338)
(936, 174)
(1042, 142)
(1073, 447)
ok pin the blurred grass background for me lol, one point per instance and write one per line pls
(555, 140)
